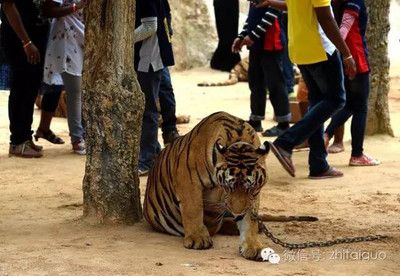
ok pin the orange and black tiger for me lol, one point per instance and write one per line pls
(208, 181)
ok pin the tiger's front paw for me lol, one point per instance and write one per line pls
(198, 241)
(251, 250)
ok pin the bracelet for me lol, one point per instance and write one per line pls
(73, 7)
(347, 58)
(27, 44)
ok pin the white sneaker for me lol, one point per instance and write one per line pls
(79, 147)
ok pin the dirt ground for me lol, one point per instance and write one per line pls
(41, 232)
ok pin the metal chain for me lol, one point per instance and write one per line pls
(291, 246)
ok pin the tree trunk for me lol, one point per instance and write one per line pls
(113, 110)
(377, 36)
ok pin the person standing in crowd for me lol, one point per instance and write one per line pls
(227, 23)
(63, 65)
(313, 35)
(23, 37)
(167, 108)
(153, 52)
(262, 34)
(167, 97)
(50, 99)
(353, 18)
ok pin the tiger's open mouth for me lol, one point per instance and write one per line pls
(236, 217)
(239, 218)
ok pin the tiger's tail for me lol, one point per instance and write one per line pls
(233, 79)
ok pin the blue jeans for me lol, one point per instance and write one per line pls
(357, 92)
(265, 71)
(167, 103)
(326, 96)
(73, 89)
(149, 146)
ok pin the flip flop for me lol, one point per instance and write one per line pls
(284, 158)
(330, 173)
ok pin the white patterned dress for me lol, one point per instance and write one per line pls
(65, 47)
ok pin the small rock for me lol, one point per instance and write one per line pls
(159, 264)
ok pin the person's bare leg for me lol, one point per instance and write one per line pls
(45, 120)
(337, 145)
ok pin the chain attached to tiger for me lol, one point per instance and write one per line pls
(209, 181)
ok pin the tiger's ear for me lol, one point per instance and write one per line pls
(220, 148)
(264, 148)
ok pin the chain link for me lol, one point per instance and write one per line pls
(292, 246)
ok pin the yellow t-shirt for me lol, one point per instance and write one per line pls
(305, 44)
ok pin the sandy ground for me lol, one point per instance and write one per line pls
(40, 207)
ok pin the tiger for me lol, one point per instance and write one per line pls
(237, 74)
(240, 72)
(209, 181)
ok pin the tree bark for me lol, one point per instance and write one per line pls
(113, 110)
(377, 37)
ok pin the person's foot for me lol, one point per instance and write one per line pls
(49, 136)
(25, 150)
(330, 173)
(273, 132)
(170, 136)
(36, 147)
(256, 125)
(285, 158)
(363, 160)
(79, 147)
(336, 148)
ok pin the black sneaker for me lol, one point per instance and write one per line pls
(273, 132)
(256, 125)
(169, 137)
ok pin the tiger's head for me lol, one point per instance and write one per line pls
(240, 171)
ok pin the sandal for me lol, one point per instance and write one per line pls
(49, 136)
(284, 158)
(273, 132)
(330, 173)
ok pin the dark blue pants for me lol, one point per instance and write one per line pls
(149, 146)
(167, 103)
(357, 92)
(265, 71)
(326, 96)
(287, 64)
